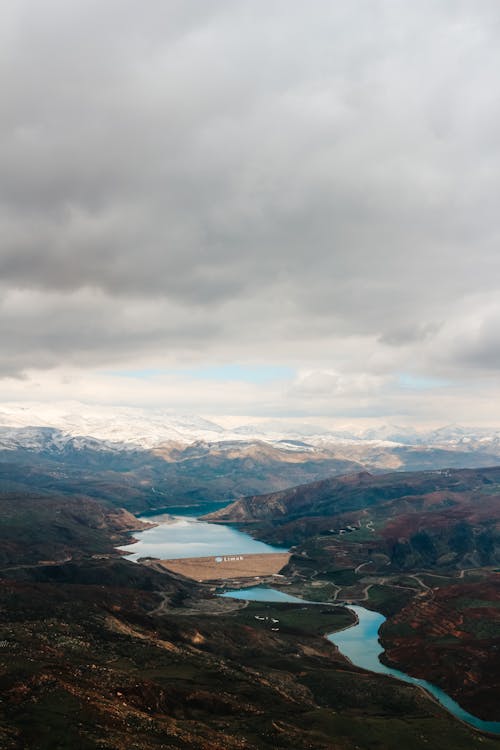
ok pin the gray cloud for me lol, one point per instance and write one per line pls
(249, 180)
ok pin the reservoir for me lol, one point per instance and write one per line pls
(184, 535)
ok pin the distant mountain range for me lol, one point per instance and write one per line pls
(41, 426)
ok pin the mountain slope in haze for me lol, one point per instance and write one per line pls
(139, 479)
(192, 472)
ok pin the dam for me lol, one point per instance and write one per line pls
(225, 567)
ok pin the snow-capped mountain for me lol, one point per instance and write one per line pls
(36, 425)
(41, 426)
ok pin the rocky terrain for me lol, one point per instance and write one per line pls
(93, 664)
(446, 519)
(56, 528)
(140, 479)
(99, 653)
(422, 548)
(450, 635)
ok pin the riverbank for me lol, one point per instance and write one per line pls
(359, 644)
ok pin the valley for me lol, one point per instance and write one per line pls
(100, 652)
(249, 365)
(424, 549)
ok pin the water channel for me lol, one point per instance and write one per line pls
(360, 644)
(182, 534)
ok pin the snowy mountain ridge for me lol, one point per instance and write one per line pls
(39, 426)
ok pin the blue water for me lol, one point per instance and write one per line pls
(183, 536)
(361, 646)
(178, 536)
(261, 594)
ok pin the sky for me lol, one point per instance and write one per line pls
(267, 208)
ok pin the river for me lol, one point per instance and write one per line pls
(184, 535)
(360, 644)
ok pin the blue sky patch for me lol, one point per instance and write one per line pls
(419, 382)
(233, 373)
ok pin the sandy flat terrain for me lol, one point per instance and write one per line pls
(228, 566)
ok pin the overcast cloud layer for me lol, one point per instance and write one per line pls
(313, 186)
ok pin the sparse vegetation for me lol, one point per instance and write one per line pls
(97, 652)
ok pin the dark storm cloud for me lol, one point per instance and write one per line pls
(266, 176)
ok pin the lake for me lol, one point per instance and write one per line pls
(184, 535)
